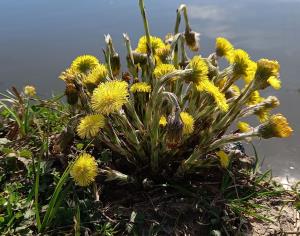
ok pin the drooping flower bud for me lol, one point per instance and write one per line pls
(192, 39)
(174, 130)
(72, 93)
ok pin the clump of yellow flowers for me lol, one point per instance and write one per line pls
(166, 112)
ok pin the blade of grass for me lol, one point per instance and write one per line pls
(77, 221)
(55, 197)
(26, 118)
(36, 194)
(15, 116)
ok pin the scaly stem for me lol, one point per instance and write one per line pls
(181, 8)
(108, 54)
(146, 26)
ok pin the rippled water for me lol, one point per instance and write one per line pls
(39, 38)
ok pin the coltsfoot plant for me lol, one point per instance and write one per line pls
(166, 120)
(165, 114)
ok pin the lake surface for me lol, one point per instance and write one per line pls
(39, 39)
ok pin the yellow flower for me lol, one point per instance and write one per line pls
(162, 53)
(250, 72)
(155, 42)
(188, 122)
(109, 97)
(84, 63)
(68, 75)
(141, 87)
(199, 68)
(223, 47)
(254, 98)
(267, 68)
(96, 75)
(221, 83)
(163, 121)
(90, 125)
(276, 126)
(29, 91)
(267, 74)
(243, 127)
(233, 91)
(163, 69)
(84, 170)
(242, 65)
(224, 159)
(209, 87)
(274, 82)
(263, 114)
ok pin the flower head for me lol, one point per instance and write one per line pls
(90, 125)
(84, 63)
(254, 98)
(192, 39)
(243, 127)
(140, 87)
(162, 53)
(84, 170)
(96, 75)
(163, 69)
(155, 42)
(276, 126)
(68, 75)
(223, 47)
(242, 65)
(233, 91)
(224, 159)
(29, 91)
(109, 97)
(263, 114)
(163, 121)
(274, 82)
(271, 102)
(207, 86)
(250, 72)
(188, 122)
(267, 74)
(199, 70)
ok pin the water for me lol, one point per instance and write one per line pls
(39, 38)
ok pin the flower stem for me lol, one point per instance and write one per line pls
(146, 25)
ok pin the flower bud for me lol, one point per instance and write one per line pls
(174, 130)
(115, 64)
(71, 93)
(271, 102)
(192, 39)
